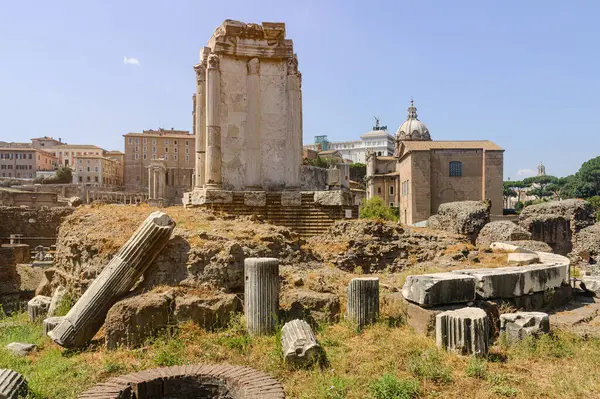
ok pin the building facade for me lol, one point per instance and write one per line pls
(423, 174)
(97, 170)
(382, 178)
(378, 141)
(45, 142)
(177, 149)
(24, 163)
(66, 153)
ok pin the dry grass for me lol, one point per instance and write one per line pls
(554, 366)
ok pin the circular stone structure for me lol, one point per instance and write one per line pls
(190, 382)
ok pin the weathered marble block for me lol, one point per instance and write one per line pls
(38, 307)
(51, 322)
(20, 349)
(465, 331)
(592, 284)
(12, 384)
(520, 325)
(300, 347)
(522, 259)
(57, 297)
(439, 288)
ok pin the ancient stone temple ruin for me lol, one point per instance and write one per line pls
(248, 126)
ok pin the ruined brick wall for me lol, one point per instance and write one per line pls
(9, 278)
(34, 224)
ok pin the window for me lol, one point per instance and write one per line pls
(166, 141)
(391, 204)
(378, 190)
(187, 157)
(145, 149)
(391, 190)
(29, 156)
(130, 142)
(166, 149)
(137, 156)
(96, 178)
(154, 150)
(378, 153)
(145, 156)
(174, 142)
(137, 149)
(455, 168)
(153, 141)
(166, 157)
(187, 150)
(144, 140)
(137, 140)
(187, 142)
(88, 179)
(88, 169)
(175, 157)
(175, 149)
(96, 169)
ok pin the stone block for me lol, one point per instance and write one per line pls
(20, 349)
(333, 198)
(314, 307)
(57, 298)
(255, 198)
(12, 384)
(517, 326)
(423, 319)
(300, 347)
(291, 198)
(209, 313)
(439, 288)
(547, 300)
(591, 284)
(51, 322)
(37, 308)
(506, 247)
(510, 282)
(465, 331)
(522, 259)
(204, 196)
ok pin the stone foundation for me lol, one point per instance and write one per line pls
(304, 212)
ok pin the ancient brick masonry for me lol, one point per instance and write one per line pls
(9, 278)
(224, 381)
(85, 318)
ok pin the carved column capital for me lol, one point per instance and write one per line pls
(253, 66)
(213, 61)
(292, 65)
(200, 70)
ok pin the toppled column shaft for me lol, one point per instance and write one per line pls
(363, 301)
(261, 294)
(85, 318)
(300, 347)
(12, 384)
(466, 331)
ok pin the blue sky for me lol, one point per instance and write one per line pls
(524, 74)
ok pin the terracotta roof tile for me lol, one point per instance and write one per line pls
(457, 145)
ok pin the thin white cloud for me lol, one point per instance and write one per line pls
(526, 172)
(131, 61)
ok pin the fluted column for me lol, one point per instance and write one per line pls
(87, 316)
(466, 331)
(261, 294)
(200, 122)
(294, 124)
(149, 182)
(300, 347)
(12, 384)
(213, 127)
(252, 128)
(363, 301)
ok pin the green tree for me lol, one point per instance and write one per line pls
(588, 178)
(539, 185)
(375, 208)
(64, 175)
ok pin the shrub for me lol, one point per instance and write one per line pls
(477, 368)
(375, 208)
(429, 366)
(391, 387)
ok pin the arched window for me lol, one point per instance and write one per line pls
(391, 190)
(378, 153)
(455, 168)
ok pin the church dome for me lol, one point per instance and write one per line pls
(413, 128)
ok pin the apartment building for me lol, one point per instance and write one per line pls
(24, 163)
